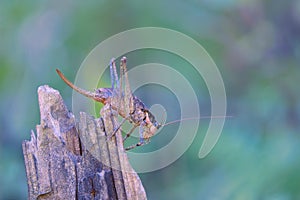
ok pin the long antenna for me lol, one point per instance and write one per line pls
(196, 118)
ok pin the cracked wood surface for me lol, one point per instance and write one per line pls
(70, 160)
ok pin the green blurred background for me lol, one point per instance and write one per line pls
(255, 44)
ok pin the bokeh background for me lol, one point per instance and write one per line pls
(255, 44)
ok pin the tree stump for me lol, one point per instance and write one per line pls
(77, 160)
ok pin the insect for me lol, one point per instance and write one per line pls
(128, 106)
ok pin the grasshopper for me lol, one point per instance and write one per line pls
(128, 106)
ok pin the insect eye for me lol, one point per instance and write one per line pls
(157, 125)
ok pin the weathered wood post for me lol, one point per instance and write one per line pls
(76, 160)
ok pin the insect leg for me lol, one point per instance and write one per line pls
(118, 98)
(129, 133)
(141, 142)
(128, 98)
(137, 145)
(121, 100)
(113, 74)
(115, 84)
(112, 78)
(119, 126)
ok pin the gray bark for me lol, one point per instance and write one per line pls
(77, 160)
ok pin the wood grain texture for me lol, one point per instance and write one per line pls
(77, 160)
